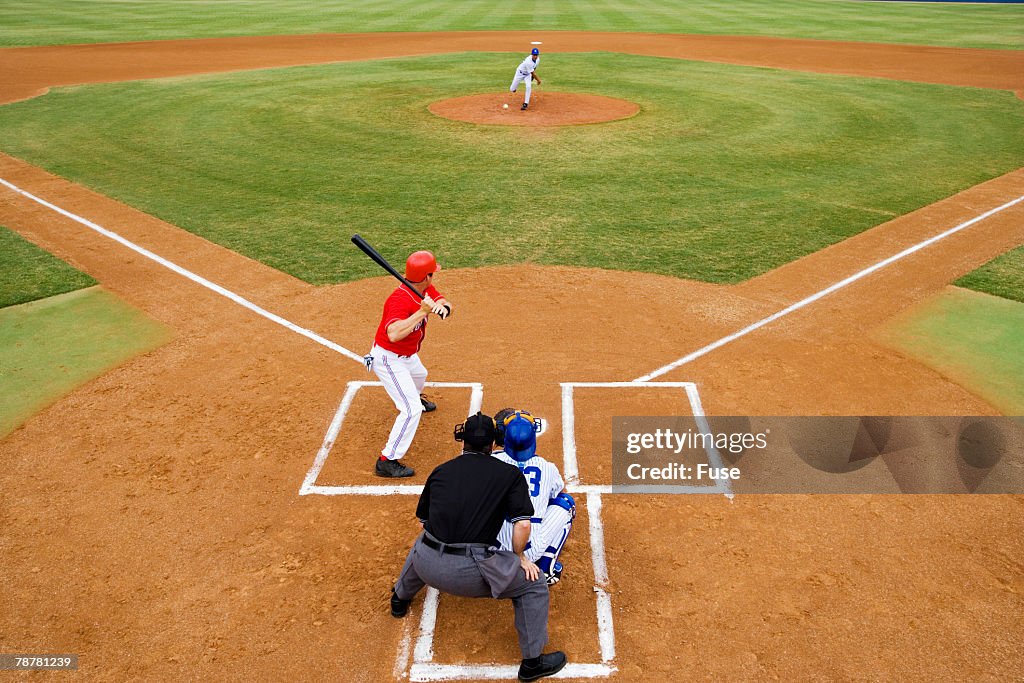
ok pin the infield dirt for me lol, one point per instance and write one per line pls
(151, 519)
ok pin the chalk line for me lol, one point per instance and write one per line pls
(823, 293)
(198, 279)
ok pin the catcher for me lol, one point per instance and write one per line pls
(553, 509)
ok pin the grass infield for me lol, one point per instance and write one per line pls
(727, 171)
(974, 339)
(48, 22)
(28, 273)
(49, 347)
(1002, 276)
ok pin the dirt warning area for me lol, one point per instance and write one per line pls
(151, 520)
(31, 71)
(549, 109)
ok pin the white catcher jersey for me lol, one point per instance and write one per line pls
(544, 483)
(528, 66)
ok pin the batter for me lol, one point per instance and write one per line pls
(395, 357)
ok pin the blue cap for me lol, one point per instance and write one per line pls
(534, 51)
(520, 438)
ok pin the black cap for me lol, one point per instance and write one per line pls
(478, 431)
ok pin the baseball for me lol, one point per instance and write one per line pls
(504, 106)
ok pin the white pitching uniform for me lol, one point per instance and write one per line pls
(551, 523)
(524, 73)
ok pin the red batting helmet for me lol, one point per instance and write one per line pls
(419, 265)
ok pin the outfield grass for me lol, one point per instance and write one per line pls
(726, 173)
(49, 347)
(28, 273)
(46, 22)
(975, 339)
(1003, 276)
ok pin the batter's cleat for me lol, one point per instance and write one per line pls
(555, 575)
(392, 468)
(428, 406)
(545, 665)
(523, 108)
(399, 607)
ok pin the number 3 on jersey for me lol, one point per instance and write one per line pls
(532, 475)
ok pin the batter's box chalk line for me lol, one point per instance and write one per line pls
(423, 667)
(309, 485)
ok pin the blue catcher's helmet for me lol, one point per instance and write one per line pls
(520, 436)
(534, 52)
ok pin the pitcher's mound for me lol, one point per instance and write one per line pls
(546, 109)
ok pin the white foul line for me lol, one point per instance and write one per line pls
(309, 334)
(823, 293)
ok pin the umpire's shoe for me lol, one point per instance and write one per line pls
(392, 468)
(539, 667)
(399, 607)
(428, 406)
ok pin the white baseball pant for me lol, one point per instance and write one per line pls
(547, 535)
(519, 78)
(403, 378)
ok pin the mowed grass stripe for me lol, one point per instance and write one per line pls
(972, 338)
(28, 273)
(726, 173)
(49, 347)
(50, 22)
(1002, 276)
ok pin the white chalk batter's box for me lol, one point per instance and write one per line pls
(422, 666)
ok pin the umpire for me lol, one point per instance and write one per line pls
(462, 506)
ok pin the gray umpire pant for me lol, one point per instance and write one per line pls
(483, 573)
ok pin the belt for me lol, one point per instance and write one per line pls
(447, 549)
(390, 351)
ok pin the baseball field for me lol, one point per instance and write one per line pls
(748, 208)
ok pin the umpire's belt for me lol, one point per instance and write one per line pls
(466, 551)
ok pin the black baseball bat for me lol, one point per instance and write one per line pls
(382, 262)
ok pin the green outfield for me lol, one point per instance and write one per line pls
(726, 173)
(1003, 276)
(28, 273)
(48, 22)
(974, 339)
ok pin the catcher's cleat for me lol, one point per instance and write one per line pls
(555, 575)
(399, 607)
(392, 468)
(523, 108)
(428, 406)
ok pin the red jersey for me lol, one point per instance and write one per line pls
(400, 305)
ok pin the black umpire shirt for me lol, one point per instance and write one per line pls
(466, 499)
